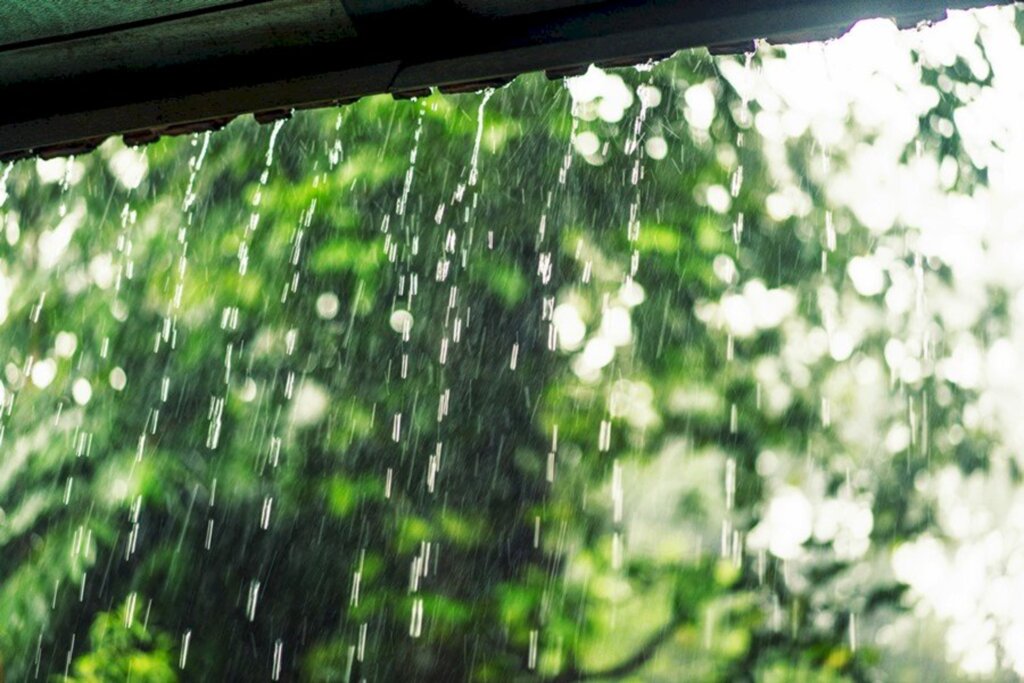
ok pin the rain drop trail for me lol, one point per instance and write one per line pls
(563, 172)
(830, 232)
(3, 183)
(275, 674)
(336, 153)
(730, 483)
(252, 600)
(410, 173)
(257, 200)
(186, 640)
(604, 437)
(416, 623)
(617, 495)
(731, 538)
(475, 159)
(634, 148)
(195, 163)
(532, 659)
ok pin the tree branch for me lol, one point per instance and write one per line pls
(630, 665)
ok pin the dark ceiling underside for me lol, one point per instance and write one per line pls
(74, 73)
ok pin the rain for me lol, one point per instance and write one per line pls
(701, 369)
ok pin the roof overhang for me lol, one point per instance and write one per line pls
(74, 73)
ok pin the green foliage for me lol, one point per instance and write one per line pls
(334, 447)
(120, 648)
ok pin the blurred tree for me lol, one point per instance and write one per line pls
(465, 388)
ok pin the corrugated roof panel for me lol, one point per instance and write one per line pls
(25, 21)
